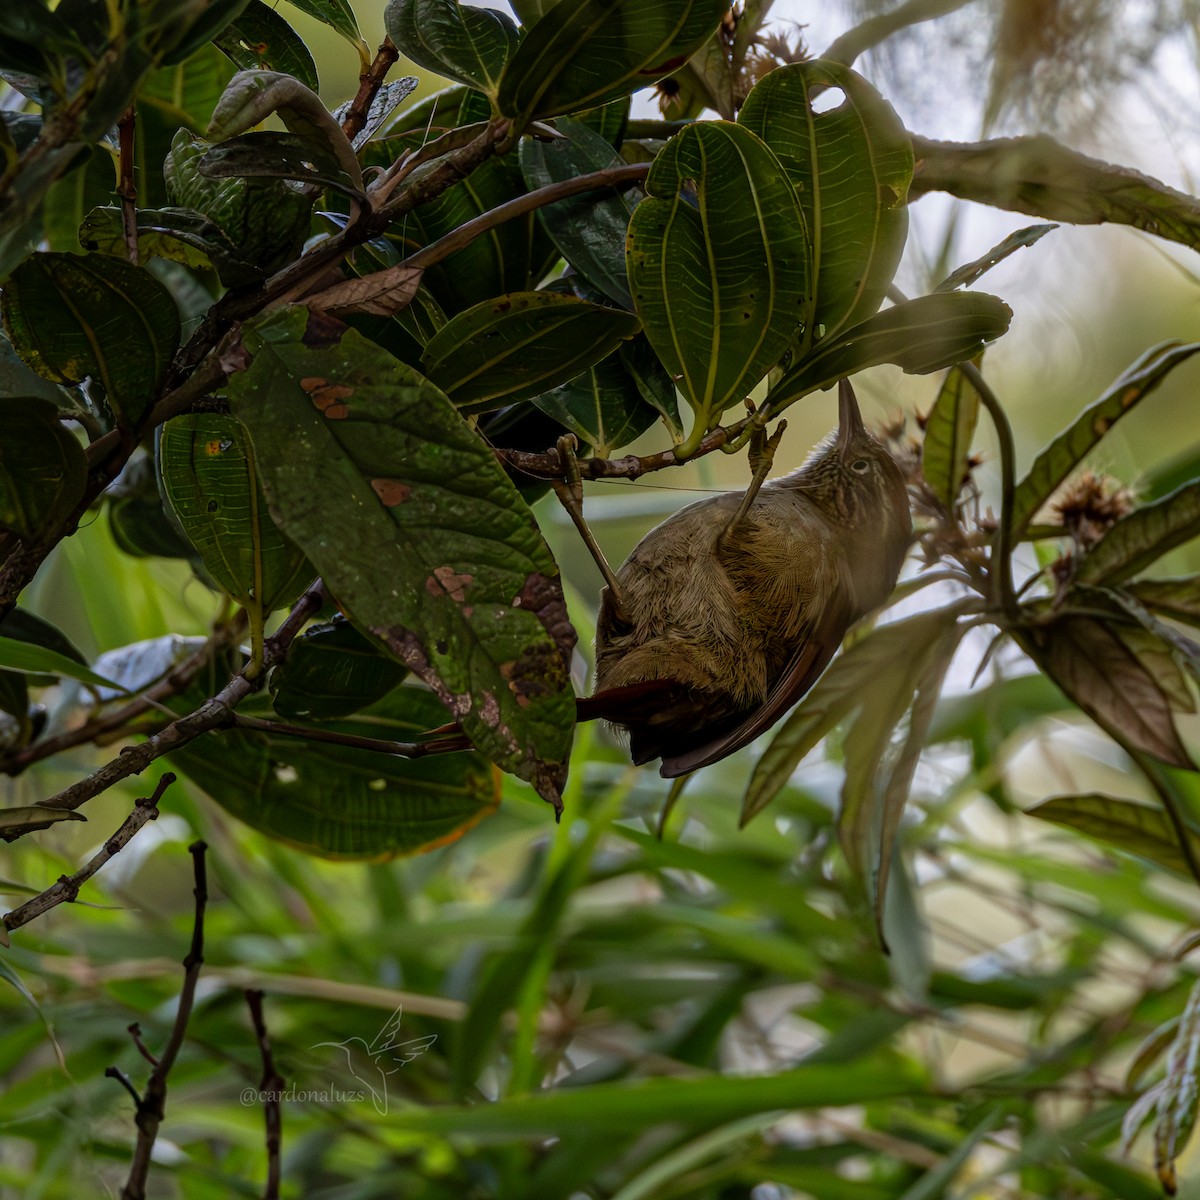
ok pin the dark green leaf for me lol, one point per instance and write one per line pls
(139, 523)
(31, 659)
(43, 472)
(184, 31)
(718, 263)
(603, 407)
(1069, 448)
(269, 155)
(589, 230)
(260, 37)
(17, 380)
(919, 336)
(467, 44)
(520, 345)
(583, 53)
(340, 801)
(851, 166)
(208, 475)
(70, 318)
(1087, 659)
(265, 220)
(946, 450)
(332, 671)
(966, 275)
(1143, 536)
(1041, 177)
(337, 14)
(417, 531)
(655, 384)
(1131, 827)
(1178, 599)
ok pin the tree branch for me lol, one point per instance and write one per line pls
(214, 713)
(369, 83)
(152, 1107)
(270, 1086)
(868, 34)
(66, 889)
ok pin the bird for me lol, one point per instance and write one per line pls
(725, 615)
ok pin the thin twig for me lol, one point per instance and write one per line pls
(153, 1106)
(126, 187)
(548, 465)
(214, 713)
(66, 889)
(135, 1033)
(369, 83)
(110, 723)
(381, 745)
(124, 1080)
(270, 1087)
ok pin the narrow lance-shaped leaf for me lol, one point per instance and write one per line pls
(520, 345)
(460, 42)
(851, 165)
(1069, 448)
(718, 261)
(70, 318)
(1131, 827)
(30, 659)
(1042, 177)
(919, 336)
(845, 686)
(1175, 1115)
(583, 53)
(966, 275)
(946, 451)
(1143, 536)
(415, 528)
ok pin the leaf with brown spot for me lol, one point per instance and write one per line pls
(382, 294)
(496, 597)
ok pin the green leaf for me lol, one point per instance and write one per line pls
(589, 230)
(344, 802)
(1070, 447)
(418, 531)
(337, 14)
(25, 626)
(966, 275)
(1129, 826)
(265, 221)
(466, 44)
(265, 154)
(655, 384)
(31, 659)
(207, 467)
(1143, 536)
(918, 336)
(332, 670)
(583, 53)
(876, 671)
(1041, 177)
(43, 472)
(136, 516)
(1090, 662)
(70, 318)
(519, 345)
(17, 380)
(1178, 599)
(949, 429)
(718, 262)
(649, 1103)
(603, 407)
(1175, 1113)
(851, 166)
(260, 38)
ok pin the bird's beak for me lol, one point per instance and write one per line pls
(850, 424)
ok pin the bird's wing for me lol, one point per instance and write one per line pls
(801, 672)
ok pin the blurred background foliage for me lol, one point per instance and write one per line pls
(994, 1053)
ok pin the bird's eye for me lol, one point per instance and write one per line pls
(860, 465)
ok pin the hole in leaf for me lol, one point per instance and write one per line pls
(828, 100)
(286, 773)
(689, 193)
(377, 785)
